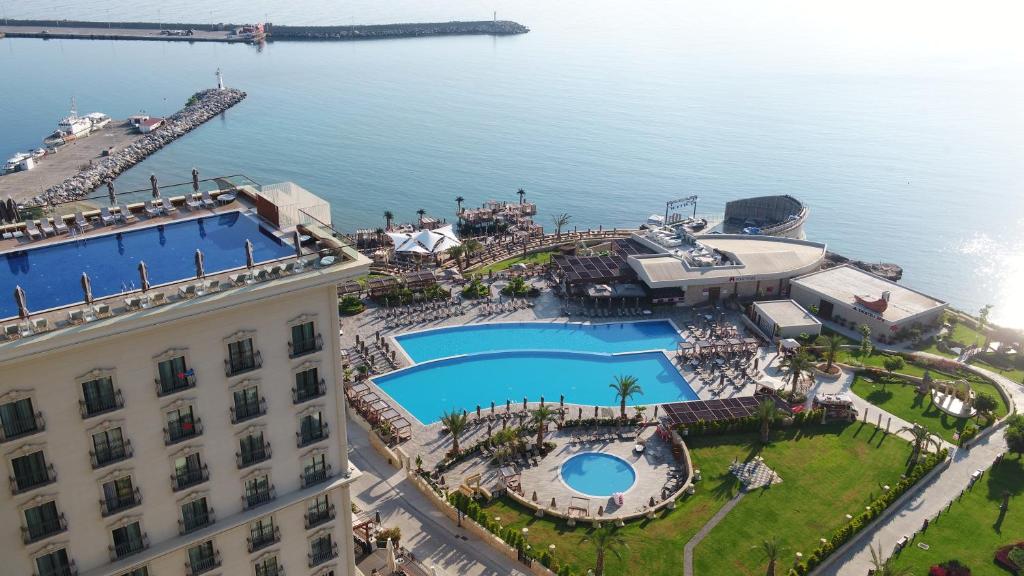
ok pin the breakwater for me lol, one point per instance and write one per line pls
(201, 107)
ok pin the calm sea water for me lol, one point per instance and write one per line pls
(898, 124)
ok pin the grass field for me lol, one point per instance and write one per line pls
(537, 258)
(826, 471)
(974, 528)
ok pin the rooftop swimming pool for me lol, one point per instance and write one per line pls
(597, 474)
(51, 274)
(607, 338)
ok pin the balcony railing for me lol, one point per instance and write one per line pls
(202, 565)
(274, 569)
(180, 431)
(248, 410)
(45, 529)
(304, 393)
(125, 549)
(244, 364)
(20, 427)
(312, 436)
(70, 570)
(117, 504)
(196, 522)
(315, 476)
(175, 385)
(110, 454)
(250, 457)
(319, 516)
(259, 539)
(259, 498)
(189, 477)
(306, 346)
(320, 556)
(101, 404)
(26, 482)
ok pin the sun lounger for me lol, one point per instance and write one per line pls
(125, 215)
(187, 291)
(11, 331)
(33, 232)
(158, 299)
(105, 216)
(192, 202)
(238, 279)
(212, 286)
(41, 325)
(59, 225)
(167, 206)
(133, 303)
(76, 316)
(45, 226)
(102, 310)
(151, 210)
(261, 275)
(275, 271)
(207, 200)
(80, 220)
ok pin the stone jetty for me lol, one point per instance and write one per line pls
(201, 107)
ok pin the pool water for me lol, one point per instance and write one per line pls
(51, 274)
(461, 383)
(609, 338)
(598, 474)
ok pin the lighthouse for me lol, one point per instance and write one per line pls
(220, 80)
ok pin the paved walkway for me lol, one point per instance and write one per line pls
(699, 536)
(427, 532)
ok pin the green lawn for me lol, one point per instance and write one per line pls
(537, 258)
(961, 333)
(900, 398)
(826, 473)
(990, 361)
(973, 528)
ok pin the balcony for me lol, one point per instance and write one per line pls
(196, 522)
(248, 411)
(312, 436)
(101, 404)
(259, 498)
(180, 431)
(260, 539)
(303, 347)
(70, 570)
(319, 517)
(315, 476)
(114, 505)
(126, 549)
(305, 393)
(250, 457)
(21, 427)
(48, 527)
(320, 556)
(243, 364)
(25, 482)
(110, 454)
(274, 569)
(189, 478)
(202, 565)
(175, 385)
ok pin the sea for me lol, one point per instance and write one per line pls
(898, 123)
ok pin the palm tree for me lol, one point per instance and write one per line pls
(380, 236)
(470, 247)
(830, 345)
(522, 195)
(456, 422)
(796, 366)
(771, 550)
(458, 203)
(625, 388)
(605, 539)
(983, 321)
(560, 220)
(456, 252)
(923, 439)
(421, 213)
(541, 417)
(886, 567)
(389, 217)
(766, 413)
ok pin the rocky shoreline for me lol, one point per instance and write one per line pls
(886, 270)
(203, 106)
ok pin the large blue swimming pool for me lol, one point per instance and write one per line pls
(50, 274)
(608, 338)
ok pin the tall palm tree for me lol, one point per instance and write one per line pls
(771, 550)
(767, 412)
(923, 439)
(886, 567)
(830, 345)
(456, 422)
(560, 220)
(541, 417)
(797, 366)
(605, 539)
(456, 252)
(380, 236)
(421, 213)
(522, 195)
(470, 247)
(458, 203)
(389, 217)
(625, 388)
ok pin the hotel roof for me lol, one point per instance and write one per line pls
(844, 283)
(786, 313)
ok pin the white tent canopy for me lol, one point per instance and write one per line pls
(789, 344)
(425, 241)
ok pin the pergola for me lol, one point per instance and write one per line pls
(687, 413)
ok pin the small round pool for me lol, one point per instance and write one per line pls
(598, 474)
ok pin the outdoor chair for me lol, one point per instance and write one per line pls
(151, 210)
(192, 203)
(11, 331)
(59, 225)
(33, 232)
(76, 316)
(41, 325)
(48, 230)
(207, 200)
(102, 310)
(125, 214)
(187, 291)
(167, 206)
(106, 217)
(133, 303)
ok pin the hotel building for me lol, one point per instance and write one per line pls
(194, 428)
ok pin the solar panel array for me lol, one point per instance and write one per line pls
(593, 268)
(685, 413)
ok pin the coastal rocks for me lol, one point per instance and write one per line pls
(202, 106)
(887, 270)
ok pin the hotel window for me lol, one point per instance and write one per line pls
(321, 549)
(31, 471)
(315, 469)
(128, 540)
(109, 446)
(55, 563)
(143, 571)
(305, 340)
(242, 357)
(268, 567)
(203, 558)
(18, 419)
(258, 490)
(100, 396)
(247, 404)
(252, 449)
(182, 425)
(318, 511)
(189, 471)
(195, 515)
(312, 428)
(263, 533)
(120, 494)
(173, 375)
(308, 385)
(42, 521)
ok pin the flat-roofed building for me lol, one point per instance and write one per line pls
(783, 319)
(859, 297)
(195, 427)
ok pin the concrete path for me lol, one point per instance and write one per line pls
(428, 533)
(699, 536)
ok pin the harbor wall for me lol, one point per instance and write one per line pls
(205, 105)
